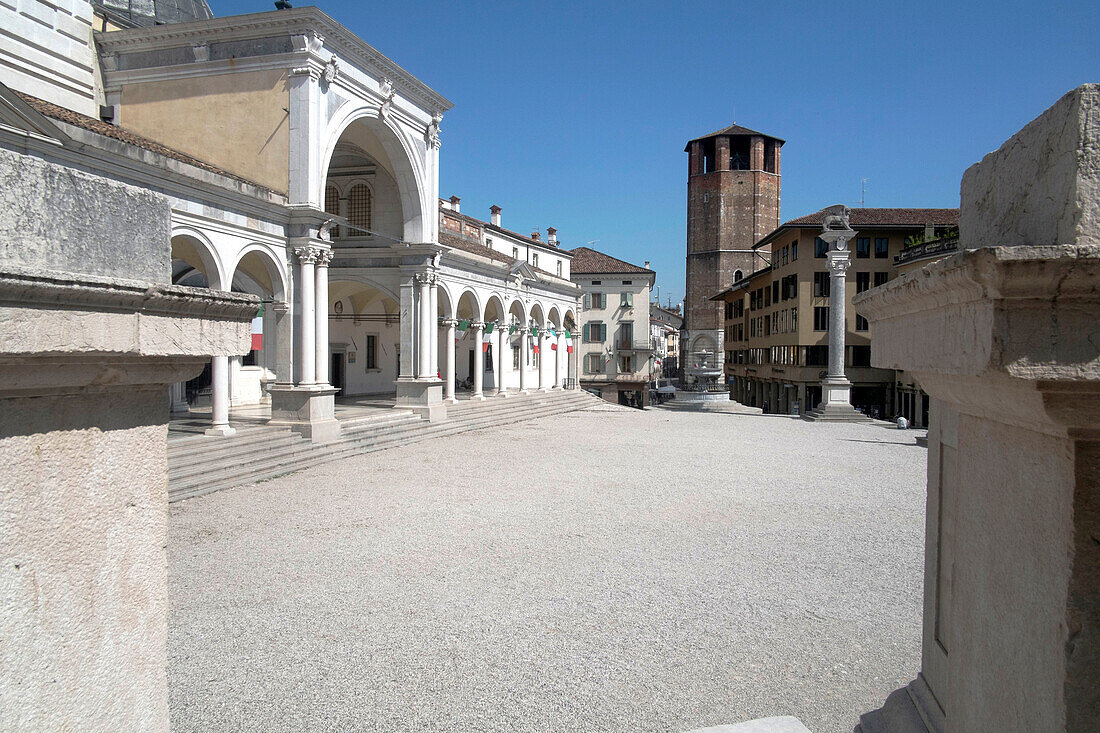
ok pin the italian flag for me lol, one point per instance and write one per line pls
(258, 330)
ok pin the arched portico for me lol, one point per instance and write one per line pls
(364, 337)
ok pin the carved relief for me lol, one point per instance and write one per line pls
(387, 91)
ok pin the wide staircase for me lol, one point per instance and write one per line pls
(200, 464)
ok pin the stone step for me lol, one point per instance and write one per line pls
(205, 464)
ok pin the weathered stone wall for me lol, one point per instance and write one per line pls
(1042, 186)
(83, 569)
(63, 219)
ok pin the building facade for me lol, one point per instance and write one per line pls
(777, 318)
(301, 166)
(664, 331)
(733, 201)
(615, 349)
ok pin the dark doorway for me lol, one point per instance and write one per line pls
(336, 373)
(470, 367)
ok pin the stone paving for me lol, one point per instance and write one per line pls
(584, 572)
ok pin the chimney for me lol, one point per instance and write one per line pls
(454, 203)
(535, 236)
(646, 264)
(494, 215)
(552, 236)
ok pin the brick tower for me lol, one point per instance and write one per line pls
(733, 202)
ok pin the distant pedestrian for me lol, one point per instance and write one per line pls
(765, 408)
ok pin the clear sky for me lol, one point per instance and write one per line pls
(575, 115)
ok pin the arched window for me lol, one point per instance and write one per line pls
(359, 208)
(332, 205)
(737, 275)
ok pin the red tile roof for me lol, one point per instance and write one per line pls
(886, 217)
(453, 240)
(106, 129)
(588, 261)
(733, 129)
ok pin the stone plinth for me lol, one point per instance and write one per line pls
(1006, 341)
(422, 396)
(308, 410)
(84, 404)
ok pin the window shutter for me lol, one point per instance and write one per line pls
(587, 301)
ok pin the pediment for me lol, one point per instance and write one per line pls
(17, 114)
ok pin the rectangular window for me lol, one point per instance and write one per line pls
(881, 278)
(794, 250)
(515, 357)
(794, 319)
(626, 363)
(559, 268)
(729, 311)
(863, 247)
(767, 297)
(515, 251)
(593, 363)
(489, 357)
(821, 285)
(882, 247)
(861, 323)
(593, 301)
(863, 281)
(775, 291)
(821, 318)
(820, 248)
(628, 282)
(595, 332)
(861, 356)
(626, 300)
(767, 326)
(534, 259)
(786, 254)
(372, 351)
(626, 335)
(817, 356)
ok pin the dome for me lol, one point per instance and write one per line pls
(155, 12)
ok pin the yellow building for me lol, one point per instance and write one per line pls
(777, 318)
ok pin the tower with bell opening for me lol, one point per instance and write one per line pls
(733, 202)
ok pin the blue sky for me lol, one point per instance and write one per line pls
(575, 115)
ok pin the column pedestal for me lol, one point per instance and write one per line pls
(306, 409)
(422, 396)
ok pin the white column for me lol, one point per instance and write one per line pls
(433, 332)
(424, 323)
(219, 376)
(179, 397)
(307, 256)
(558, 341)
(543, 342)
(838, 267)
(449, 386)
(479, 359)
(523, 359)
(502, 346)
(321, 315)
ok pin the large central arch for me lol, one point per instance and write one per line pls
(401, 161)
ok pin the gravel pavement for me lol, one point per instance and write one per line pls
(612, 570)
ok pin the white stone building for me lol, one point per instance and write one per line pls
(664, 332)
(302, 166)
(616, 351)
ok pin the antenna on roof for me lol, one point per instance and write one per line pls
(863, 192)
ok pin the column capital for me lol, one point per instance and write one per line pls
(312, 254)
(477, 325)
(426, 278)
(448, 322)
(838, 261)
(280, 306)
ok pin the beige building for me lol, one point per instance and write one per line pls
(777, 318)
(615, 349)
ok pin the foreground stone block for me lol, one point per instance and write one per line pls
(779, 724)
(1006, 341)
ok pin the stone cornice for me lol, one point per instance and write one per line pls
(32, 286)
(307, 21)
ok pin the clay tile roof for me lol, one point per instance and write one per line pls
(886, 217)
(106, 129)
(733, 129)
(466, 245)
(588, 261)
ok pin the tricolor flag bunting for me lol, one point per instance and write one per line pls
(258, 330)
(489, 327)
(463, 324)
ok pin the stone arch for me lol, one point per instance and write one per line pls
(553, 317)
(446, 302)
(403, 163)
(518, 310)
(738, 275)
(468, 305)
(569, 319)
(261, 257)
(495, 310)
(195, 249)
(537, 314)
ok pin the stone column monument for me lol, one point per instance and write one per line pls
(836, 390)
(1005, 338)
